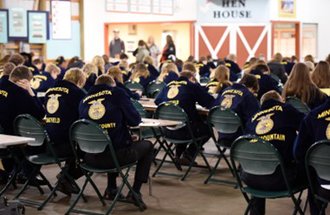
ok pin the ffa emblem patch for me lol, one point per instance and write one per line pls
(265, 124)
(173, 91)
(212, 89)
(227, 102)
(136, 80)
(35, 83)
(96, 110)
(327, 132)
(53, 103)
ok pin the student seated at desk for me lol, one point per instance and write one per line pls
(186, 93)
(17, 97)
(117, 76)
(6, 70)
(321, 77)
(169, 73)
(266, 82)
(241, 99)
(300, 85)
(141, 75)
(315, 127)
(148, 61)
(90, 71)
(62, 103)
(43, 81)
(220, 80)
(113, 110)
(277, 123)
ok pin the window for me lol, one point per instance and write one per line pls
(309, 39)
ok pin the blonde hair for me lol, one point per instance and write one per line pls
(98, 61)
(52, 67)
(321, 75)
(75, 76)
(89, 69)
(189, 66)
(140, 71)
(166, 69)
(148, 60)
(299, 84)
(116, 74)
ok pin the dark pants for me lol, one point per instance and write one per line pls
(273, 182)
(65, 150)
(141, 151)
(314, 204)
(199, 129)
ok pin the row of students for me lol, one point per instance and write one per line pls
(65, 103)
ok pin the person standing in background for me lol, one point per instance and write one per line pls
(117, 46)
(154, 50)
(169, 49)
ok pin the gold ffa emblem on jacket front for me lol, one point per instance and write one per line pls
(96, 110)
(173, 91)
(327, 132)
(53, 103)
(265, 124)
(35, 83)
(227, 102)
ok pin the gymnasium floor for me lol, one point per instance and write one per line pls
(169, 196)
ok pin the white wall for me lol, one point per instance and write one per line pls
(95, 16)
(316, 11)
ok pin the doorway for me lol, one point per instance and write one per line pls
(286, 38)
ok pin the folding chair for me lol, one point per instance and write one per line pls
(88, 137)
(135, 87)
(258, 157)
(297, 104)
(170, 111)
(225, 122)
(318, 158)
(26, 125)
(154, 88)
(147, 133)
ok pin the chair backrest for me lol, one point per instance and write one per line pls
(318, 157)
(255, 155)
(204, 80)
(154, 88)
(89, 137)
(298, 104)
(139, 108)
(27, 126)
(170, 111)
(134, 86)
(225, 121)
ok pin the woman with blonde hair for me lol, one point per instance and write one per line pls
(117, 75)
(220, 80)
(99, 63)
(169, 73)
(141, 75)
(62, 105)
(90, 71)
(321, 76)
(150, 64)
(300, 85)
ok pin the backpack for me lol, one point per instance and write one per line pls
(11, 207)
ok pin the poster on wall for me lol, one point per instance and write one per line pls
(17, 24)
(61, 19)
(38, 26)
(3, 26)
(287, 8)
